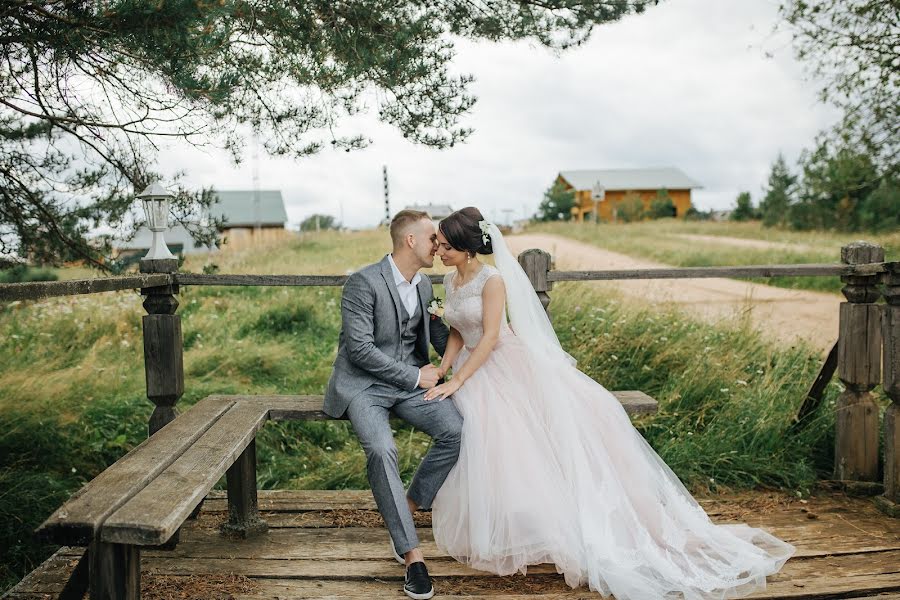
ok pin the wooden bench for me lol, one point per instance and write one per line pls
(143, 499)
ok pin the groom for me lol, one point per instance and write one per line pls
(382, 367)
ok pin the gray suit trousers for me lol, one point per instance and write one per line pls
(369, 414)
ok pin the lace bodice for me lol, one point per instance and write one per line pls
(463, 307)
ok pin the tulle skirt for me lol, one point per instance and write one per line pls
(552, 471)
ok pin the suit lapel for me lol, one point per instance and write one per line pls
(388, 275)
(426, 316)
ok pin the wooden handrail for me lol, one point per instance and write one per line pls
(800, 270)
(36, 290)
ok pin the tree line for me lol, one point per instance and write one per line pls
(836, 188)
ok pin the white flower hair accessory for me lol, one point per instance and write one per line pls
(485, 231)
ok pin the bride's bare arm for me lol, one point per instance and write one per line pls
(492, 297)
(454, 345)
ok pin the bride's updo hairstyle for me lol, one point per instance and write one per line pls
(464, 233)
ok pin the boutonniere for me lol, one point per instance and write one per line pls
(436, 308)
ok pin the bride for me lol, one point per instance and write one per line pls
(551, 469)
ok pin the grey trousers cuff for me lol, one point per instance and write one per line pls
(407, 545)
(421, 500)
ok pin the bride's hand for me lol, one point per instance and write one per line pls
(442, 391)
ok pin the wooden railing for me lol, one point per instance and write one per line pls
(869, 336)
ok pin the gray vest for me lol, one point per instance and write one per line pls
(409, 334)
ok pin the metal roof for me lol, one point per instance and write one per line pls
(237, 206)
(630, 179)
(435, 211)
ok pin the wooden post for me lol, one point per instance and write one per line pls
(115, 571)
(536, 263)
(890, 502)
(859, 368)
(163, 346)
(243, 505)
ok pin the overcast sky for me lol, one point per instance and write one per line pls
(687, 84)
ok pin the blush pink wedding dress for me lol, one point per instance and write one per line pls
(551, 470)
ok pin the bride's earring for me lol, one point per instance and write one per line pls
(468, 258)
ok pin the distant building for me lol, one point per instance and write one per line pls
(436, 211)
(618, 183)
(241, 214)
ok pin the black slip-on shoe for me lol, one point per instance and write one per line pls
(418, 583)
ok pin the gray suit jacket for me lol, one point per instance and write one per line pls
(369, 344)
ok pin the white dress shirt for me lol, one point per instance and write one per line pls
(409, 294)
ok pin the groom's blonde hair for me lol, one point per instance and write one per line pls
(401, 222)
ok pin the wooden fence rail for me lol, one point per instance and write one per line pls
(869, 336)
(46, 289)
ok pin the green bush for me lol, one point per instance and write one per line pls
(22, 273)
(631, 208)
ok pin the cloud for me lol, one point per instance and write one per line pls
(686, 84)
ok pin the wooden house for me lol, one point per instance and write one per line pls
(251, 217)
(247, 223)
(619, 183)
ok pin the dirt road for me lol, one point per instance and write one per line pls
(783, 315)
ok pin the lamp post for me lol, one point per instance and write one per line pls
(598, 194)
(155, 199)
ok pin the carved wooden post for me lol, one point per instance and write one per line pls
(163, 347)
(890, 502)
(859, 368)
(536, 264)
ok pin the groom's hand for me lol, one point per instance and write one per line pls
(428, 377)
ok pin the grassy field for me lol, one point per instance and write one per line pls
(73, 385)
(674, 242)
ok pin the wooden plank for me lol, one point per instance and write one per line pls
(798, 270)
(154, 514)
(368, 543)
(817, 390)
(817, 537)
(309, 407)
(267, 280)
(636, 402)
(78, 520)
(51, 576)
(385, 568)
(35, 290)
(299, 500)
(852, 576)
(796, 580)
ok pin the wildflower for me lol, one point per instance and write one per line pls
(723, 390)
(740, 382)
(614, 357)
(328, 447)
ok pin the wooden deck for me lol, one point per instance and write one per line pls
(332, 545)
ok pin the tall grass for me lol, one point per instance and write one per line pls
(668, 241)
(73, 398)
